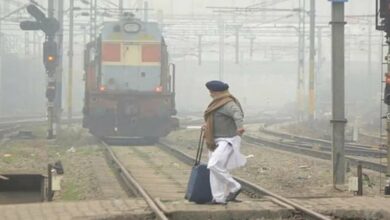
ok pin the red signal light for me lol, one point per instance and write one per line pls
(50, 58)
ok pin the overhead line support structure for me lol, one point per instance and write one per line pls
(312, 94)
(338, 93)
(70, 62)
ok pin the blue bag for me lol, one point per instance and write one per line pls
(198, 188)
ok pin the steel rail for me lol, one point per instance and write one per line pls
(350, 148)
(248, 186)
(313, 153)
(152, 204)
(313, 140)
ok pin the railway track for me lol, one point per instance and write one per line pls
(133, 183)
(308, 147)
(352, 149)
(160, 173)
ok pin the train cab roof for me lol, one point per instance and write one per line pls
(129, 28)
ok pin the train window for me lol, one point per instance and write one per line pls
(151, 53)
(111, 52)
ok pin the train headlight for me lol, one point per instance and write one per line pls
(158, 89)
(131, 27)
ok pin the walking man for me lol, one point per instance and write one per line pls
(223, 128)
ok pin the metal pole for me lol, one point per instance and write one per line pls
(70, 67)
(319, 56)
(312, 98)
(199, 49)
(360, 179)
(84, 36)
(338, 113)
(319, 50)
(301, 61)
(388, 110)
(58, 97)
(120, 8)
(35, 44)
(237, 44)
(221, 47)
(26, 43)
(252, 39)
(50, 105)
(146, 8)
(91, 20)
(49, 183)
(95, 19)
(370, 92)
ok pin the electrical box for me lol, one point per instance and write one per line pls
(353, 184)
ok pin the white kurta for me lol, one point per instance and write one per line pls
(226, 156)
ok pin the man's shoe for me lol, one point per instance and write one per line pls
(233, 195)
(213, 202)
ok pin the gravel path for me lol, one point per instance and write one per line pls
(79, 153)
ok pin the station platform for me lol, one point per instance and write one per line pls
(343, 208)
(138, 209)
(350, 207)
(103, 209)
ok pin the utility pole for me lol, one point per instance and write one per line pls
(84, 28)
(221, 47)
(301, 60)
(388, 110)
(70, 67)
(237, 29)
(26, 43)
(35, 53)
(120, 8)
(199, 49)
(60, 37)
(91, 20)
(369, 29)
(312, 97)
(140, 5)
(51, 82)
(146, 8)
(251, 42)
(319, 52)
(338, 94)
(94, 30)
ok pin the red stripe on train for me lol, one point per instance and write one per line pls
(151, 53)
(111, 52)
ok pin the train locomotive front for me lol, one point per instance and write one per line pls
(129, 84)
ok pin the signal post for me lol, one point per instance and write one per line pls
(49, 26)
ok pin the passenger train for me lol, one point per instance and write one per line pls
(129, 82)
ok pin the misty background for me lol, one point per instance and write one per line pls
(264, 78)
